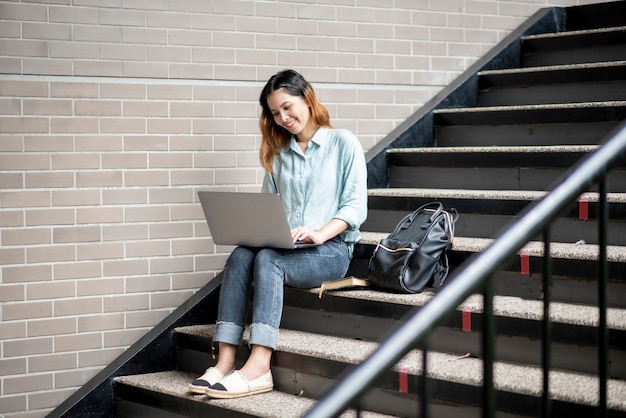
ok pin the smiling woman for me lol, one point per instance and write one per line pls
(290, 107)
(292, 113)
(320, 174)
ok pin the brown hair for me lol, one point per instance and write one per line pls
(274, 137)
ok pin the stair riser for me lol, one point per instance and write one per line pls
(596, 16)
(600, 53)
(486, 178)
(126, 408)
(565, 289)
(472, 178)
(551, 94)
(566, 269)
(533, 115)
(132, 402)
(574, 48)
(526, 134)
(546, 76)
(502, 158)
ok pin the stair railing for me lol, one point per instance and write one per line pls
(476, 275)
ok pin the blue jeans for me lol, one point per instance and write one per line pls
(270, 269)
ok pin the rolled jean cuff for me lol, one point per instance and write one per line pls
(263, 334)
(228, 332)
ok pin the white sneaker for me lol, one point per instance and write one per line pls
(201, 384)
(236, 385)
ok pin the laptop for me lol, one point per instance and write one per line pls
(248, 219)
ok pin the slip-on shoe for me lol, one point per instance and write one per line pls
(201, 384)
(236, 385)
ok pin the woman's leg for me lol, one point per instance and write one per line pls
(233, 304)
(273, 269)
(258, 363)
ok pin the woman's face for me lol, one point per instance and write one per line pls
(290, 112)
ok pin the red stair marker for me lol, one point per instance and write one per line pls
(524, 262)
(467, 319)
(583, 208)
(403, 383)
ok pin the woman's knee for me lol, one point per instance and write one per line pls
(268, 261)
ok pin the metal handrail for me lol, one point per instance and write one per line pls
(475, 274)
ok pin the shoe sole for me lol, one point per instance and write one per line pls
(198, 390)
(224, 394)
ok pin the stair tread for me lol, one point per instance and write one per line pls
(491, 149)
(553, 68)
(615, 253)
(575, 33)
(271, 404)
(547, 106)
(526, 380)
(557, 83)
(520, 117)
(524, 195)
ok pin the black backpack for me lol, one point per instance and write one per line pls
(414, 255)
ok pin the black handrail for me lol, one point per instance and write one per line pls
(475, 274)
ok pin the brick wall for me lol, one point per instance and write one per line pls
(113, 114)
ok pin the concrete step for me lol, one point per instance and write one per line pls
(595, 82)
(483, 213)
(139, 395)
(574, 47)
(529, 125)
(489, 168)
(574, 269)
(534, 113)
(306, 364)
(368, 314)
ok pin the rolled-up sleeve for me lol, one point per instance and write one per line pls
(353, 197)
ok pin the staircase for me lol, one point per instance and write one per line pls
(488, 154)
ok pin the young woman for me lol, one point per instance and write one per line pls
(320, 174)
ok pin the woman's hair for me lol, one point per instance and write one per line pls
(274, 137)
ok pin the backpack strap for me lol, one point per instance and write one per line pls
(444, 266)
(442, 271)
(451, 219)
(436, 207)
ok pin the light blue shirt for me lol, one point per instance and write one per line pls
(327, 181)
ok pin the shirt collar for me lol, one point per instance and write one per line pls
(320, 137)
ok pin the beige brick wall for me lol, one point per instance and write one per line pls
(114, 114)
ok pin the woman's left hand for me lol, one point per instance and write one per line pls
(304, 234)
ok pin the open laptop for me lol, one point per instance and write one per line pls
(247, 219)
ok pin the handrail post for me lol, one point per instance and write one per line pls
(603, 214)
(488, 350)
(546, 341)
(424, 379)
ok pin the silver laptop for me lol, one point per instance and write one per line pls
(247, 219)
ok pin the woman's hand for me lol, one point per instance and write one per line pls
(328, 231)
(306, 235)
